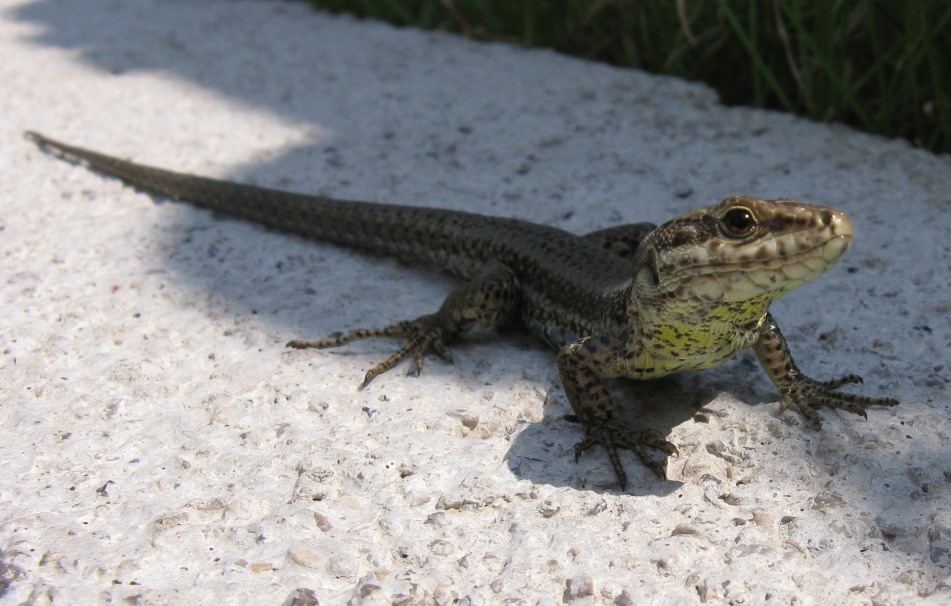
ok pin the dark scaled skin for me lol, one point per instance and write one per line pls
(635, 301)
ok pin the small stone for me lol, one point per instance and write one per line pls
(695, 466)
(827, 500)
(719, 449)
(302, 597)
(343, 565)
(303, 557)
(262, 567)
(578, 587)
(322, 521)
(706, 591)
(442, 548)
(731, 499)
(469, 421)
(764, 519)
(547, 508)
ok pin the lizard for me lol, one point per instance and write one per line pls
(637, 301)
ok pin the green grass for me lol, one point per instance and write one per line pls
(881, 65)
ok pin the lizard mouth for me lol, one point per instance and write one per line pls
(817, 256)
(779, 276)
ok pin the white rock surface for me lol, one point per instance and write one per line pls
(160, 445)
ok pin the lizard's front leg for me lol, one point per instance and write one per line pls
(799, 391)
(583, 364)
(488, 300)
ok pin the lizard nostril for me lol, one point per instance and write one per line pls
(825, 218)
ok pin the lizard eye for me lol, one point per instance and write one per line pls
(738, 222)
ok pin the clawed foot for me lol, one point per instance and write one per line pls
(807, 394)
(423, 335)
(615, 435)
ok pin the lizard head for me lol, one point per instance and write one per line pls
(743, 249)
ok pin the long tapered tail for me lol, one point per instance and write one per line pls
(409, 231)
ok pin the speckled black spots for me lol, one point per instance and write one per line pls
(763, 253)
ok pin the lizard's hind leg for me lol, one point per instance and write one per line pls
(489, 299)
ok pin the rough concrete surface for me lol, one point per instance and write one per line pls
(160, 445)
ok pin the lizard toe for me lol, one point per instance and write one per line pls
(615, 436)
(809, 394)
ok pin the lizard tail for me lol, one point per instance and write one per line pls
(408, 231)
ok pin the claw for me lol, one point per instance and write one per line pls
(420, 360)
(659, 469)
(622, 479)
(582, 446)
(371, 374)
(442, 351)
